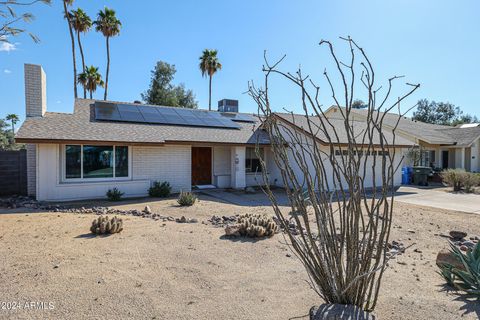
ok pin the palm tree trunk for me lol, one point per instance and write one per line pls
(108, 69)
(91, 95)
(210, 94)
(13, 128)
(83, 62)
(73, 50)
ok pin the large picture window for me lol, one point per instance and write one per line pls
(96, 162)
(252, 161)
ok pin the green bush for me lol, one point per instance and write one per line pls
(471, 180)
(467, 280)
(103, 225)
(459, 178)
(161, 190)
(114, 194)
(186, 199)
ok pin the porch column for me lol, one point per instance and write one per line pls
(460, 158)
(238, 167)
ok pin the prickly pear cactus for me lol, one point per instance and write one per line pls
(256, 225)
(104, 225)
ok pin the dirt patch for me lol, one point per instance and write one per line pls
(168, 270)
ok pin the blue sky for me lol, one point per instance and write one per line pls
(431, 42)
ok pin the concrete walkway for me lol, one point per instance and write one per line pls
(424, 196)
(439, 198)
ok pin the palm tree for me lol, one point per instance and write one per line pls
(81, 23)
(13, 118)
(67, 16)
(90, 79)
(108, 24)
(209, 65)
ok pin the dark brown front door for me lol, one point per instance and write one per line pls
(201, 165)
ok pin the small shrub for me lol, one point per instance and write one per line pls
(186, 199)
(458, 178)
(114, 194)
(256, 225)
(453, 178)
(467, 280)
(102, 225)
(470, 181)
(160, 190)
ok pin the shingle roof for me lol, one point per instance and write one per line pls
(463, 136)
(359, 129)
(82, 126)
(430, 133)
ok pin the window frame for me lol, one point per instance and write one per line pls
(82, 179)
(255, 154)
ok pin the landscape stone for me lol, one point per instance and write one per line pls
(147, 210)
(457, 235)
(339, 312)
(447, 257)
(232, 230)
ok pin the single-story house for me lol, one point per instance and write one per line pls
(106, 144)
(442, 146)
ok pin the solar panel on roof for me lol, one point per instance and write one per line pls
(239, 117)
(107, 112)
(161, 115)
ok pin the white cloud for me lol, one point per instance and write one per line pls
(6, 46)
(7, 71)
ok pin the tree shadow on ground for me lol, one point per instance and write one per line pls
(242, 239)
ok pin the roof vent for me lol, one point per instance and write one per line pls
(228, 105)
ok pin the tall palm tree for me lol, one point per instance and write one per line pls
(209, 65)
(108, 24)
(13, 118)
(90, 79)
(81, 23)
(67, 16)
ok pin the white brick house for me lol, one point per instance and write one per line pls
(80, 155)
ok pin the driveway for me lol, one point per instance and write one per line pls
(439, 198)
(424, 196)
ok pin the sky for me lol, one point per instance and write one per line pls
(431, 42)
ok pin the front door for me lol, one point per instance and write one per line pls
(444, 159)
(201, 165)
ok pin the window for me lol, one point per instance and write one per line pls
(96, 162)
(73, 159)
(252, 162)
(121, 161)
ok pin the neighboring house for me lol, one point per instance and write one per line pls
(441, 146)
(104, 144)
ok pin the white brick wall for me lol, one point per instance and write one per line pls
(31, 169)
(35, 90)
(168, 163)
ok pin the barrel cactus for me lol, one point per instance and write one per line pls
(256, 225)
(104, 225)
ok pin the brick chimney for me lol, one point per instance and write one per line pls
(35, 90)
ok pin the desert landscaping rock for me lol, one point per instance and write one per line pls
(445, 257)
(457, 235)
(184, 219)
(147, 210)
(339, 312)
(233, 230)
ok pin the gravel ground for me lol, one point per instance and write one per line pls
(168, 270)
